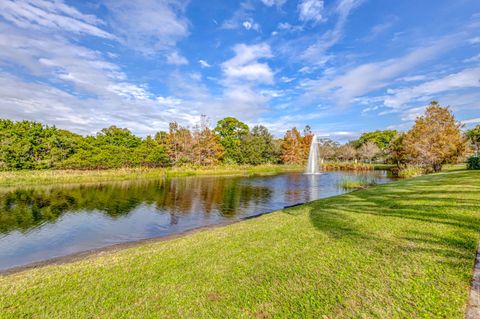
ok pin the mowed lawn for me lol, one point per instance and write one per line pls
(402, 250)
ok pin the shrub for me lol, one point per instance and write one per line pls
(473, 162)
(411, 171)
(359, 183)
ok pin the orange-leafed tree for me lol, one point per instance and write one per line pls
(435, 139)
(292, 147)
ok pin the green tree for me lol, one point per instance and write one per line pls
(118, 136)
(258, 147)
(231, 132)
(381, 138)
(474, 138)
(435, 139)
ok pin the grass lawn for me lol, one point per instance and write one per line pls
(20, 178)
(401, 250)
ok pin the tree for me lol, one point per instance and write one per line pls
(231, 132)
(347, 152)
(306, 142)
(207, 149)
(368, 151)
(118, 136)
(435, 139)
(327, 148)
(179, 144)
(474, 137)
(292, 148)
(258, 147)
(380, 138)
(397, 151)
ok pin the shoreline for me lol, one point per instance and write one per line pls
(53, 177)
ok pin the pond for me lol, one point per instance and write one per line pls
(43, 222)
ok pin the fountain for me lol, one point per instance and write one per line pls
(313, 158)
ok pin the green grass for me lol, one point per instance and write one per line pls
(399, 250)
(19, 178)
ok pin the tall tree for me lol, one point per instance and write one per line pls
(474, 137)
(347, 152)
(231, 132)
(435, 139)
(258, 147)
(207, 149)
(292, 148)
(180, 144)
(327, 148)
(380, 138)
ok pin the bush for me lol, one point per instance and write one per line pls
(473, 162)
(411, 171)
(358, 183)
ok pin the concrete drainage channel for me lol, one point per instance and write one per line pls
(473, 307)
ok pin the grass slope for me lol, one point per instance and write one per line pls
(20, 178)
(401, 250)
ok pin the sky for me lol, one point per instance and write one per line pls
(343, 66)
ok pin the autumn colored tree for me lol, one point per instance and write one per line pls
(207, 149)
(306, 141)
(231, 132)
(180, 144)
(292, 149)
(435, 139)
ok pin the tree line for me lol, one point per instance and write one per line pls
(435, 139)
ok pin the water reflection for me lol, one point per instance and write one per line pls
(38, 223)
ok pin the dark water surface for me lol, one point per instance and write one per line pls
(40, 223)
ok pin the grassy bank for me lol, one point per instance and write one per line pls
(18, 178)
(400, 250)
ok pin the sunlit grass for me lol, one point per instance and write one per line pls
(399, 250)
(86, 176)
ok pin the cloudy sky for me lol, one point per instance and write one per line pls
(340, 66)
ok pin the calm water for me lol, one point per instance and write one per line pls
(40, 223)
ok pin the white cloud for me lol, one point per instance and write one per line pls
(286, 79)
(468, 78)
(414, 78)
(51, 15)
(251, 25)
(475, 40)
(368, 77)
(270, 3)
(471, 121)
(310, 10)
(176, 59)
(245, 66)
(204, 64)
(149, 26)
(242, 18)
(475, 58)
(317, 50)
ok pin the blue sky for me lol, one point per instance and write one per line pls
(343, 67)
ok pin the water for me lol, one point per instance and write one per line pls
(313, 157)
(40, 223)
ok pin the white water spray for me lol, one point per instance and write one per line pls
(313, 158)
